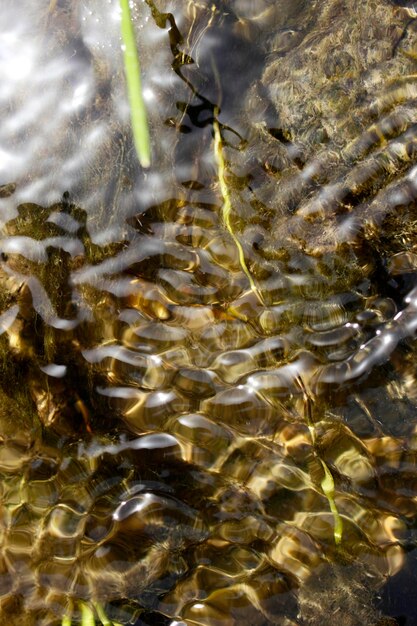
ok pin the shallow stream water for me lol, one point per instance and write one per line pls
(208, 406)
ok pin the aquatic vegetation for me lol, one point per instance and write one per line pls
(327, 482)
(88, 616)
(227, 203)
(140, 128)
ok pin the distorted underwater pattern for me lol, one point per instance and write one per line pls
(208, 406)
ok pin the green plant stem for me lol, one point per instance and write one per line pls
(227, 204)
(87, 614)
(134, 88)
(101, 614)
(327, 485)
(327, 482)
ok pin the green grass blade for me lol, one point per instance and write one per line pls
(102, 614)
(87, 615)
(134, 88)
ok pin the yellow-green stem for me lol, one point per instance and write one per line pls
(327, 485)
(102, 614)
(134, 88)
(87, 614)
(327, 482)
(227, 204)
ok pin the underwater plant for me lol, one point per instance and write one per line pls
(88, 615)
(227, 204)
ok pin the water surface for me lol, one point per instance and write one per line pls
(208, 419)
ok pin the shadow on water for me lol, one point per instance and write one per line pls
(398, 595)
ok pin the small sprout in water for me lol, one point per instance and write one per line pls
(327, 485)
